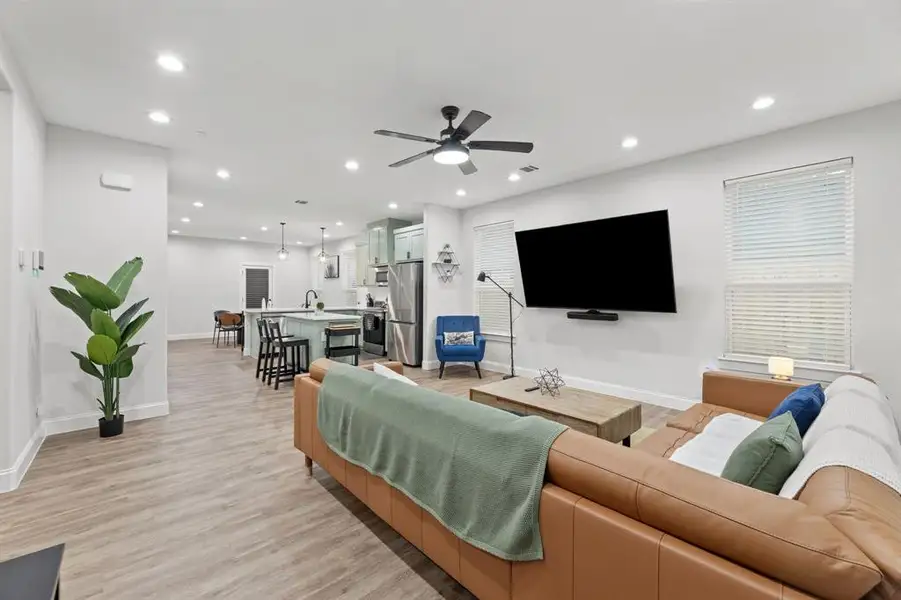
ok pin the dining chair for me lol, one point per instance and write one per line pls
(216, 324)
(230, 324)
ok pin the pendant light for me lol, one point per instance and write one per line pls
(322, 255)
(283, 252)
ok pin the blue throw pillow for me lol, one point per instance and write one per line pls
(805, 404)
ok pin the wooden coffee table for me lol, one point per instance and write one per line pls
(608, 417)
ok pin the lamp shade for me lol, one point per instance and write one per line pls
(781, 367)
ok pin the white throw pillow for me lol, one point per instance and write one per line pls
(386, 372)
(709, 450)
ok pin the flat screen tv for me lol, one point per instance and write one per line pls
(623, 263)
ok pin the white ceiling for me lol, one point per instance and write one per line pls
(287, 91)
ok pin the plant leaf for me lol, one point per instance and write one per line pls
(102, 323)
(135, 326)
(87, 366)
(121, 280)
(73, 301)
(125, 317)
(102, 349)
(95, 292)
(126, 353)
(124, 369)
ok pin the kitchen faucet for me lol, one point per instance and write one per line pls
(307, 298)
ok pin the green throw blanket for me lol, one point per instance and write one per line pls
(476, 469)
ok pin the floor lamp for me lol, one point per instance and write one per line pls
(481, 278)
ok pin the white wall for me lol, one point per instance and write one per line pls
(205, 275)
(93, 230)
(22, 137)
(442, 226)
(661, 356)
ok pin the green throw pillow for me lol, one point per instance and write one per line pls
(768, 456)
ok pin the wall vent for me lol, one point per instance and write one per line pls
(301, 202)
(528, 168)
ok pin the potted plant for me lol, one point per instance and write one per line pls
(110, 358)
(320, 306)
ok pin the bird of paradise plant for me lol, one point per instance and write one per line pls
(109, 356)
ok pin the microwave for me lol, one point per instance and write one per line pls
(381, 277)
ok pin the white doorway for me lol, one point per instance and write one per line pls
(256, 284)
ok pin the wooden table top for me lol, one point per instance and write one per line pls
(590, 412)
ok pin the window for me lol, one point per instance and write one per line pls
(789, 247)
(495, 253)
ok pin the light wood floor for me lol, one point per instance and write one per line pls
(212, 501)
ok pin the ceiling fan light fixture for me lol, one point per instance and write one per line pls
(452, 153)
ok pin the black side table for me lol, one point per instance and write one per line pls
(34, 576)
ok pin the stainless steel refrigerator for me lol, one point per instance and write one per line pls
(404, 335)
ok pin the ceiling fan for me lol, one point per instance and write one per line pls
(451, 148)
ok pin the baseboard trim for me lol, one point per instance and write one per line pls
(176, 337)
(612, 389)
(12, 477)
(89, 420)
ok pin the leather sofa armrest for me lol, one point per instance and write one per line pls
(753, 394)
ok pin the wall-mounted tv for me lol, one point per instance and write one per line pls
(622, 263)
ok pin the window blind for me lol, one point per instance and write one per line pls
(256, 286)
(495, 253)
(789, 247)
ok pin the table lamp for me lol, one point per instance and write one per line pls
(781, 368)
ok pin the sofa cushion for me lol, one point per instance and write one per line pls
(664, 441)
(696, 418)
(766, 458)
(805, 404)
(710, 450)
(384, 371)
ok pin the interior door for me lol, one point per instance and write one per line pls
(256, 284)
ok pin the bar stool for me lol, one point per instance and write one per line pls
(285, 370)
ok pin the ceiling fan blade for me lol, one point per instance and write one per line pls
(404, 136)
(468, 168)
(524, 147)
(473, 121)
(413, 158)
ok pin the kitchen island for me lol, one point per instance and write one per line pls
(299, 322)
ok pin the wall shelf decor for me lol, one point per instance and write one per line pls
(447, 264)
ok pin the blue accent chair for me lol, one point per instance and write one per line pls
(467, 353)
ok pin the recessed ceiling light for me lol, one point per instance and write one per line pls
(351, 165)
(629, 142)
(170, 63)
(392, 206)
(223, 174)
(763, 102)
(264, 228)
(185, 220)
(243, 237)
(175, 231)
(299, 243)
(160, 117)
(514, 177)
(325, 235)
(339, 223)
(461, 192)
(198, 204)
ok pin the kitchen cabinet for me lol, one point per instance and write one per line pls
(409, 243)
(380, 236)
(365, 273)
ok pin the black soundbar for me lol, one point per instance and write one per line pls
(592, 315)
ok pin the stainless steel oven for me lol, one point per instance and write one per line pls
(374, 328)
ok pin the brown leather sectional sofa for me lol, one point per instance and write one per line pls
(627, 523)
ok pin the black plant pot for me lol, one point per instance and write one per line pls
(111, 428)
